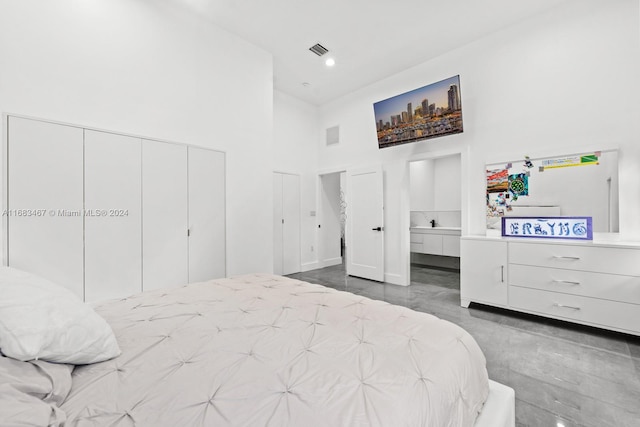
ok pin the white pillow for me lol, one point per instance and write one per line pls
(42, 320)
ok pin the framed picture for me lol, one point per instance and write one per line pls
(548, 227)
(427, 112)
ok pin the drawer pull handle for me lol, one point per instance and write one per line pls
(566, 306)
(568, 282)
(574, 258)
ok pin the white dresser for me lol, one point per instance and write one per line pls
(592, 283)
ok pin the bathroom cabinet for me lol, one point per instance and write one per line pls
(436, 240)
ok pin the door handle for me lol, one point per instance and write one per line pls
(378, 228)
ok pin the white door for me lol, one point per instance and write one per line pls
(45, 201)
(207, 237)
(113, 222)
(286, 214)
(365, 223)
(164, 215)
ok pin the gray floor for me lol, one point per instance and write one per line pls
(563, 374)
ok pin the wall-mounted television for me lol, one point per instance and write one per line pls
(427, 112)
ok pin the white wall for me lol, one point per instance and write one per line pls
(295, 151)
(144, 67)
(435, 184)
(563, 80)
(447, 176)
(422, 185)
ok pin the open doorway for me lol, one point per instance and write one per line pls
(332, 226)
(435, 186)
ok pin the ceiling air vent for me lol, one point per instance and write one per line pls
(318, 49)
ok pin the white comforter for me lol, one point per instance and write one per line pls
(267, 350)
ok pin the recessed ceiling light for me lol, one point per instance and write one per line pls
(330, 62)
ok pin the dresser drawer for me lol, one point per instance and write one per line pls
(603, 313)
(575, 257)
(613, 287)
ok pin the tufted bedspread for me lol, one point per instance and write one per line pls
(264, 350)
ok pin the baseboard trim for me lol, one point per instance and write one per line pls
(308, 266)
(332, 261)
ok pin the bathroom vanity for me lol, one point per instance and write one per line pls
(435, 240)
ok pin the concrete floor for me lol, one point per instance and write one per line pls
(563, 374)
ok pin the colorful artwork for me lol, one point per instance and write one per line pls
(576, 228)
(497, 180)
(427, 112)
(571, 161)
(519, 184)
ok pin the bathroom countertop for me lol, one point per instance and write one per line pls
(456, 231)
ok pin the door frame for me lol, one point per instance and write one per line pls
(321, 220)
(405, 238)
(319, 263)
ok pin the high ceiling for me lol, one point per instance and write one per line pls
(369, 39)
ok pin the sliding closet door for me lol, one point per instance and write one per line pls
(45, 201)
(291, 230)
(286, 215)
(206, 215)
(278, 223)
(113, 228)
(164, 215)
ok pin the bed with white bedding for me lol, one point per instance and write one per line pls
(262, 350)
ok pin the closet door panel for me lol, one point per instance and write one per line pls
(113, 228)
(164, 212)
(206, 215)
(278, 218)
(291, 230)
(44, 182)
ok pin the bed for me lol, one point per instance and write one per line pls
(265, 350)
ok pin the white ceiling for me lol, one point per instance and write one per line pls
(369, 39)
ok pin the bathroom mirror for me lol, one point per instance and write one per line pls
(435, 187)
(584, 184)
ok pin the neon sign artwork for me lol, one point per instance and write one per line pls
(561, 227)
